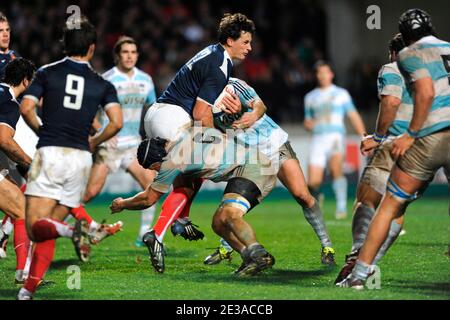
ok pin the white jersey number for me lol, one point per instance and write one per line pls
(74, 89)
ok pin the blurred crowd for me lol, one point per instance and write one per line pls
(290, 38)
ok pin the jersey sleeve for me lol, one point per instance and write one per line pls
(347, 102)
(411, 62)
(389, 83)
(9, 114)
(37, 86)
(245, 93)
(110, 96)
(212, 86)
(166, 176)
(151, 95)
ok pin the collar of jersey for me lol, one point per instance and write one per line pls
(225, 53)
(116, 70)
(80, 62)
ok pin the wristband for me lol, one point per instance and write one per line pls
(412, 134)
(378, 138)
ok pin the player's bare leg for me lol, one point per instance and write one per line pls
(228, 220)
(391, 207)
(339, 184)
(291, 175)
(12, 203)
(144, 177)
(315, 178)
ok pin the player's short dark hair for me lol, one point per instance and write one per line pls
(396, 44)
(322, 63)
(18, 70)
(3, 18)
(232, 25)
(151, 151)
(121, 41)
(78, 35)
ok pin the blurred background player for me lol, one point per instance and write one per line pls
(191, 96)
(136, 94)
(423, 148)
(17, 77)
(6, 55)
(248, 184)
(71, 93)
(396, 107)
(325, 109)
(262, 133)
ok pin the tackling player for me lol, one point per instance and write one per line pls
(423, 148)
(136, 93)
(263, 133)
(325, 108)
(71, 93)
(209, 154)
(17, 77)
(394, 115)
(191, 96)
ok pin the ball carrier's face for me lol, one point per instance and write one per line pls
(241, 47)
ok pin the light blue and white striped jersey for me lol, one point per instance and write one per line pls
(391, 83)
(430, 57)
(328, 107)
(264, 133)
(207, 153)
(133, 94)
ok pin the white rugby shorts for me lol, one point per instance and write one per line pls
(59, 173)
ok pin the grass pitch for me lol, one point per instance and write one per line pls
(415, 267)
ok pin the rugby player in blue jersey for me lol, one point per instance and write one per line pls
(71, 92)
(190, 97)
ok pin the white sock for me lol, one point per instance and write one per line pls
(146, 220)
(93, 227)
(8, 226)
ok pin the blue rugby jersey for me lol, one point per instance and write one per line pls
(9, 107)
(72, 93)
(203, 77)
(5, 58)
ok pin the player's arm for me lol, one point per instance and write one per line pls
(413, 64)
(114, 114)
(357, 122)
(10, 147)
(140, 201)
(249, 118)
(28, 112)
(308, 123)
(386, 116)
(202, 112)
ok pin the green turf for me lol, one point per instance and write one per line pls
(415, 268)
